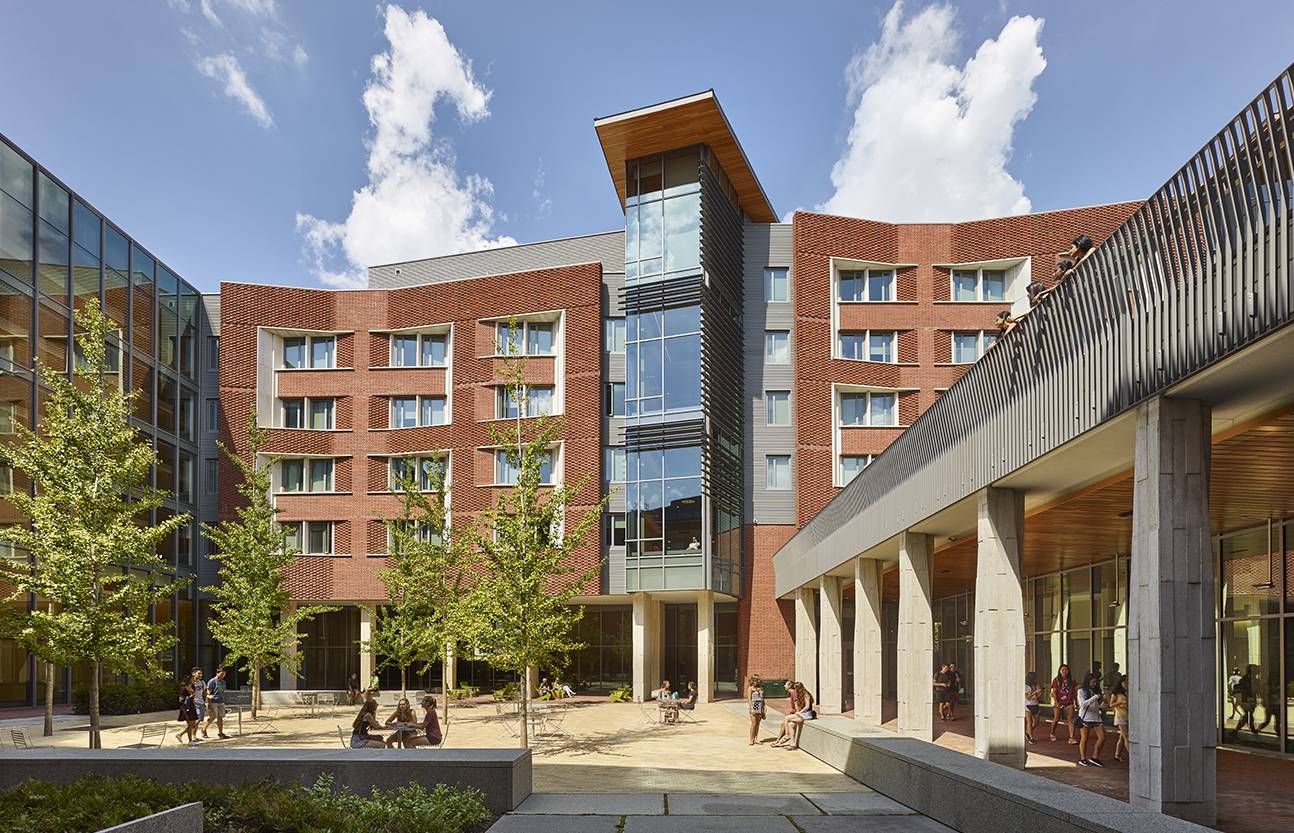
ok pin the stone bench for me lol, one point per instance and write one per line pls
(503, 775)
(969, 794)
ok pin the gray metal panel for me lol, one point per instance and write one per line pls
(766, 245)
(1200, 271)
(211, 303)
(607, 248)
(208, 388)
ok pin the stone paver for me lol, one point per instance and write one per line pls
(768, 804)
(515, 823)
(871, 824)
(708, 824)
(605, 804)
(858, 804)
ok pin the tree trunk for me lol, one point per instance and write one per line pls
(96, 741)
(49, 699)
(444, 689)
(256, 690)
(524, 711)
(404, 682)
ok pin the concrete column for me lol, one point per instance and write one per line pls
(704, 648)
(999, 628)
(867, 641)
(916, 652)
(365, 654)
(450, 671)
(647, 616)
(831, 673)
(806, 639)
(1172, 658)
(287, 677)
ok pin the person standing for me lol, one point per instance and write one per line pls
(188, 712)
(954, 690)
(216, 688)
(940, 683)
(1032, 694)
(1062, 701)
(757, 711)
(200, 697)
(1089, 717)
(1119, 702)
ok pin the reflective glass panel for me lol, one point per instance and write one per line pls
(851, 465)
(880, 285)
(614, 341)
(682, 232)
(15, 175)
(323, 351)
(435, 350)
(1248, 574)
(682, 372)
(1252, 682)
(778, 471)
(294, 352)
(16, 238)
(853, 409)
(539, 338)
(993, 285)
(882, 409)
(539, 401)
(965, 347)
(852, 345)
(963, 288)
(433, 410)
(777, 407)
(55, 262)
(777, 347)
(404, 351)
(292, 475)
(141, 270)
(294, 413)
(851, 285)
(404, 412)
(881, 347)
(168, 320)
(321, 475)
(321, 414)
(776, 285)
(166, 392)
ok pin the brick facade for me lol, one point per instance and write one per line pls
(362, 382)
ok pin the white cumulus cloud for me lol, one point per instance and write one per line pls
(226, 69)
(930, 140)
(415, 204)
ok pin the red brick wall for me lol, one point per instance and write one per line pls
(361, 500)
(765, 626)
(923, 316)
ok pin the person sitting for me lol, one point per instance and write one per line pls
(361, 735)
(403, 714)
(561, 689)
(545, 690)
(796, 720)
(689, 701)
(352, 688)
(668, 701)
(431, 734)
(783, 733)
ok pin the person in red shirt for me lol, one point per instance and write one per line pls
(1063, 691)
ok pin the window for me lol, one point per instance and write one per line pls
(538, 402)
(663, 361)
(292, 475)
(979, 285)
(321, 475)
(213, 416)
(212, 483)
(415, 411)
(614, 336)
(616, 399)
(307, 537)
(777, 347)
(777, 404)
(430, 472)
(613, 464)
(868, 409)
(777, 285)
(321, 414)
(534, 338)
(317, 352)
(851, 465)
(294, 413)
(869, 346)
(306, 475)
(213, 352)
(320, 411)
(425, 350)
(967, 347)
(423, 533)
(866, 285)
(615, 529)
(777, 471)
(186, 414)
(506, 472)
(185, 473)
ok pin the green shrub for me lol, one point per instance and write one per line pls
(263, 807)
(136, 698)
(623, 694)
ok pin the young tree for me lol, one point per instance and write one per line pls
(517, 612)
(93, 562)
(424, 581)
(249, 612)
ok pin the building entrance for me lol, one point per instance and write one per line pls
(679, 664)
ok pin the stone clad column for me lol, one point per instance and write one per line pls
(450, 671)
(365, 655)
(831, 673)
(867, 641)
(704, 649)
(806, 639)
(1172, 659)
(646, 635)
(287, 678)
(999, 629)
(916, 654)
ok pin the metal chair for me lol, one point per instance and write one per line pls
(151, 736)
(18, 737)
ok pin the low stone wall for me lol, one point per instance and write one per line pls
(187, 818)
(503, 775)
(969, 794)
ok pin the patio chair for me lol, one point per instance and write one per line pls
(18, 737)
(650, 713)
(686, 716)
(151, 736)
(341, 736)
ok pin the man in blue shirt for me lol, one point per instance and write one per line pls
(216, 703)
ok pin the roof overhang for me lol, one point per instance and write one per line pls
(691, 120)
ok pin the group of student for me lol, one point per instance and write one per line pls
(366, 731)
(671, 702)
(1081, 706)
(202, 702)
(801, 709)
(1080, 250)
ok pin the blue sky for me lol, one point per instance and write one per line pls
(483, 123)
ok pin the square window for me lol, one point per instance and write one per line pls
(321, 475)
(853, 409)
(881, 409)
(319, 537)
(964, 285)
(616, 399)
(614, 461)
(615, 335)
(294, 352)
(323, 351)
(777, 347)
(505, 403)
(539, 401)
(539, 338)
(851, 465)
(505, 471)
(777, 405)
(965, 347)
(435, 350)
(777, 469)
(509, 339)
(851, 345)
(993, 285)
(291, 475)
(404, 412)
(404, 351)
(851, 285)
(777, 285)
(880, 347)
(291, 536)
(294, 413)
(433, 411)
(880, 285)
(321, 414)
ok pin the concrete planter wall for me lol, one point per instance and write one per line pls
(187, 818)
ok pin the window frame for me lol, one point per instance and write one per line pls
(771, 464)
(840, 466)
(610, 454)
(308, 346)
(502, 395)
(771, 397)
(420, 462)
(306, 412)
(420, 340)
(501, 455)
(611, 398)
(866, 336)
(302, 536)
(867, 408)
(866, 277)
(984, 339)
(419, 402)
(769, 337)
(979, 284)
(614, 331)
(770, 284)
(306, 469)
(523, 338)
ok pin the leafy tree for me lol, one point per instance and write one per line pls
(93, 557)
(249, 612)
(424, 581)
(517, 613)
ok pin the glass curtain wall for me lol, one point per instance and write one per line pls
(606, 660)
(954, 629)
